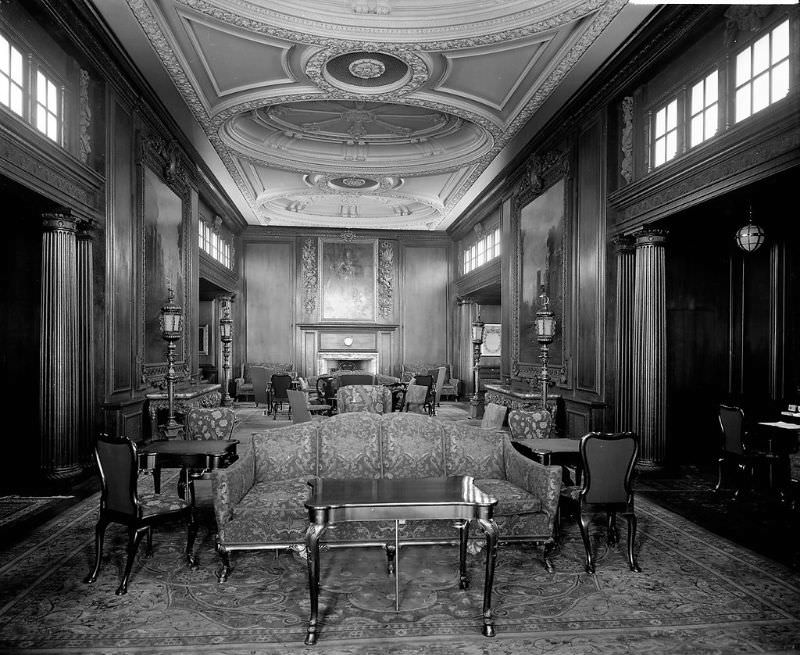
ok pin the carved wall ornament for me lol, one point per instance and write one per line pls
(744, 18)
(85, 118)
(626, 142)
(348, 235)
(310, 275)
(385, 278)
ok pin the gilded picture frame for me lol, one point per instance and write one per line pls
(348, 280)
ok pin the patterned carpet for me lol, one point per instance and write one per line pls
(697, 594)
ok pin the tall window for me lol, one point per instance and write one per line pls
(11, 77)
(482, 251)
(214, 244)
(665, 133)
(48, 107)
(762, 72)
(704, 109)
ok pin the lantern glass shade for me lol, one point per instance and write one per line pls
(171, 321)
(545, 325)
(477, 331)
(750, 237)
(225, 329)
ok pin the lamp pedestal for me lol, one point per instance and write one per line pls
(475, 400)
(172, 428)
(226, 336)
(545, 331)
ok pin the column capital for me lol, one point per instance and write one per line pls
(60, 220)
(651, 236)
(86, 228)
(623, 244)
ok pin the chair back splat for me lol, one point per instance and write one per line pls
(281, 383)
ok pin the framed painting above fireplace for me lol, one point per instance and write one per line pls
(347, 280)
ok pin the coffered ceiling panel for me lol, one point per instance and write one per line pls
(362, 113)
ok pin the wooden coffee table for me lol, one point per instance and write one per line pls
(454, 498)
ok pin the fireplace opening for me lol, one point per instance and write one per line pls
(347, 361)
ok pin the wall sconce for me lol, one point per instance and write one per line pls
(171, 323)
(750, 237)
(545, 331)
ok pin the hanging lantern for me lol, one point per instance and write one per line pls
(750, 237)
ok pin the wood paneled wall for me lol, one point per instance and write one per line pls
(269, 280)
(425, 303)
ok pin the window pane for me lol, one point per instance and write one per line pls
(52, 98)
(697, 130)
(672, 115)
(661, 122)
(761, 55)
(743, 67)
(41, 118)
(697, 98)
(780, 81)
(41, 88)
(52, 127)
(4, 90)
(659, 156)
(4, 62)
(760, 92)
(672, 144)
(712, 87)
(780, 42)
(16, 99)
(743, 102)
(711, 122)
(16, 65)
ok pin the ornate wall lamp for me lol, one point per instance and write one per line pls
(545, 331)
(750, 237)
(171, 322)
(477, 340)
(226, 336)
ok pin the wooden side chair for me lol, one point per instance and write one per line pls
(736, 451)
(608, 460)
(280, 384)
(120, 502)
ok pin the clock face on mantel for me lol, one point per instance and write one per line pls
(491, 340)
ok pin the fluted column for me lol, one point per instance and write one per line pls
(649, 398)
(85, 342)
(626, 275)
(58, 355)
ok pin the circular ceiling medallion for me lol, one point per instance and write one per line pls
(367, 68)
(360, 72)
(353, 183)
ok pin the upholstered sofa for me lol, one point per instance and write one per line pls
(243, 385)
(259, 499)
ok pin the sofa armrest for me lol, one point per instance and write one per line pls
(229, 485)
(542, 481)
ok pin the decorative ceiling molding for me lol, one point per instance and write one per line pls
(398, 63)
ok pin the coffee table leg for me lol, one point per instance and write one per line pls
(397, 566)
(313, 533)
(463, 533)
(490, 528)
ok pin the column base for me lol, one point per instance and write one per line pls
(475, 407)
(63, 473)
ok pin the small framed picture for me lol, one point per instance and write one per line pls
(203, 340)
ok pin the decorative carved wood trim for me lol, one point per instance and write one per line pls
(385, 278)
(626, 140)
(310, 255)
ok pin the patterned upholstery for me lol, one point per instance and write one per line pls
(530, 424)
(493, 416)
(373, 398)
(258, 500)
(210, 423)
(415, 398)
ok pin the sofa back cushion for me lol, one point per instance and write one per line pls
(285, 453)
(412, 445)
(474, 451)
(349, 446)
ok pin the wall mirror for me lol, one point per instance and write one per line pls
(538, 224)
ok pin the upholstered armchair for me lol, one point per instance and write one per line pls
(243, 385)
(530, 424)
(374, 398)
(451, 386)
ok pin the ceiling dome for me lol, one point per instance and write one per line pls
(347, 136)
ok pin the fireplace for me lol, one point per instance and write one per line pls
(331, 361)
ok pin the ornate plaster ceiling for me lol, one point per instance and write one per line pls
(364, 113)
